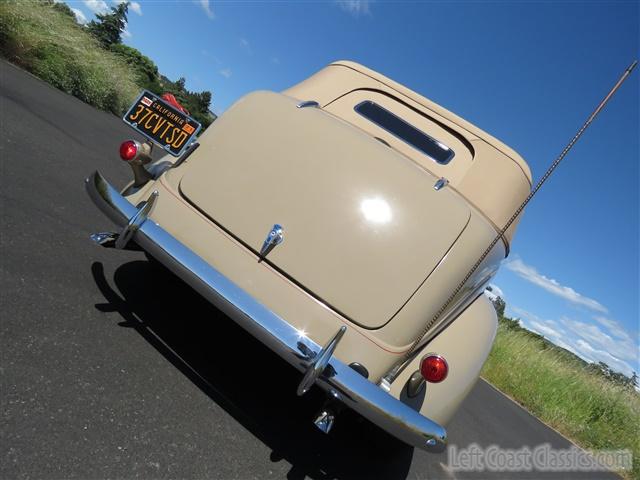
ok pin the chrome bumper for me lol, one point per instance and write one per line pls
(340, 381)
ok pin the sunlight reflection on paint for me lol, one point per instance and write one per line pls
(376, 210)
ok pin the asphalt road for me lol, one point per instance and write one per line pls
(112, 368)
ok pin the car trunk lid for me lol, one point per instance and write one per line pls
(363, 225)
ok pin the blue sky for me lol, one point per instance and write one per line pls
(528, 73)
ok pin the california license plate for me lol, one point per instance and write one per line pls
(162, 123)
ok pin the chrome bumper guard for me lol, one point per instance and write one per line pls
(339, 380)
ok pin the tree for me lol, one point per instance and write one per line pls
(499, 304)
(146, 70)
(109, 26)
(510, 323)
(634, 380)
(197, 103)
(180, 83)
(203, 100)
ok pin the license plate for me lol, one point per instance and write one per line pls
(162, 123)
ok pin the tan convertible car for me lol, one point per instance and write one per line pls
(333, 221)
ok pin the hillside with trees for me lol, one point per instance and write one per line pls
(108, 28)
(89, 62)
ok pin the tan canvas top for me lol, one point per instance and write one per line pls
(441, 111)
(487, 173)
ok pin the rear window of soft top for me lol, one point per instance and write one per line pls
(406, 132)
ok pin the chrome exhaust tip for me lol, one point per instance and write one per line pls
(324, 420)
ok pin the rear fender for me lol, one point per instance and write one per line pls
(465, 344)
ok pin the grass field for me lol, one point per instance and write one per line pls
(52, 46)
(594, 412)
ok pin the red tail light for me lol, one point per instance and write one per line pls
(129, 150)
(434, 368)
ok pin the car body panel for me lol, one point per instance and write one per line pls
(366, 226)
(263, 281)
(465, 354)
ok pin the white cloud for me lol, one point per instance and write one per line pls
(624, 349)
(226, 72)
(355, 7)
(525, 314)
(244, 43)
(596, 355)
(96, 6)
(126, 33)
(133, 6)
(136, 7)
(494, 293)
(530, 274)
(566, 346)
(208, 54)
(546, 330)
(206, 7)
(614, 327)
(80, 18)
(497, 290)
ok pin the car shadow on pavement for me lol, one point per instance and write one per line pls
(198, 339)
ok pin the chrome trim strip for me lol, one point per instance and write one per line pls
(442, 182)
(338, 379)
(308, 103)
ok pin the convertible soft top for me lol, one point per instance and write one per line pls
(487, 173)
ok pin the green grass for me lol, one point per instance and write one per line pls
(49, 44)
(594, 412)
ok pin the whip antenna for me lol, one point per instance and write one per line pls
(393, 373)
